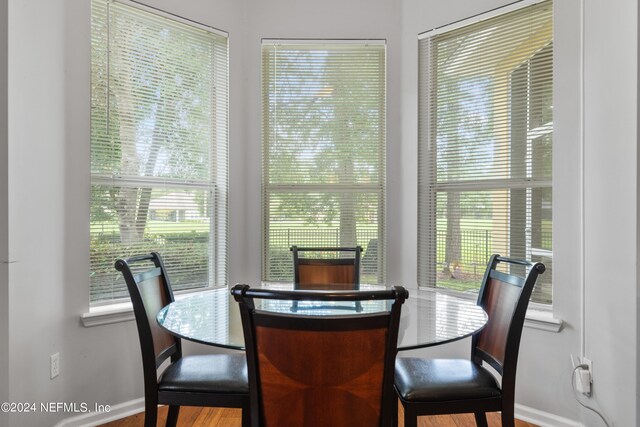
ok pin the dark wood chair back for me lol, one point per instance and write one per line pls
(320, 370)
(504, 295)
(451, 386)
(313, 273)
(196, 380)
(150, 290)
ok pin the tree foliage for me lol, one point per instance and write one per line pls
(151, 113)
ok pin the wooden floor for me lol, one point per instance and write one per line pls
(223, 417)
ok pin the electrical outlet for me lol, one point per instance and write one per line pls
(583, 381)
(589, 363)
(55, 365)
(584, 377)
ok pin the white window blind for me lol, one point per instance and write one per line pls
(159, 113)
(485, 147)
(324, 133)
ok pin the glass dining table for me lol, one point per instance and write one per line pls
(429, 316)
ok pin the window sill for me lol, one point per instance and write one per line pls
(542, 320)
(118, 312)
(539, 316)
(107, 314)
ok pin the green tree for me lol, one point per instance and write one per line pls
(152, 109)
(463, 132)
(325, 106)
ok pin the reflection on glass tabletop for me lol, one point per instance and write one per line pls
(429, 316)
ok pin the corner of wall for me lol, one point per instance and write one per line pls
(4, 208)
(638, 217)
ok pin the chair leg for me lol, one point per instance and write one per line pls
(394, 413)
(481, 419)
(246, 419)
(410, 417)
(172, 416)
(150, 412)
(508, 417)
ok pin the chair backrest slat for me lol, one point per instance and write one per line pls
(320, 370)
(327, 273)
(506, 278)
(299, 379)
(150, 290)
(499, 303)
(505, 297)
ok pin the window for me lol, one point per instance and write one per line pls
(323, 151)
(159, 90)
(485, 147)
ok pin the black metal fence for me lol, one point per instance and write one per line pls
(280, 264)
(476, 246)
(285, 237)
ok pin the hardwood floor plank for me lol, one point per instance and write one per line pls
(191, 416)
(437, 421)
(465, 420)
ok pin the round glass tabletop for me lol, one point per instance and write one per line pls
(429, 316)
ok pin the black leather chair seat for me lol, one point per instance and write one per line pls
(431, 380)
(217, 373)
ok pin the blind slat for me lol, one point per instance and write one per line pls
(159, 142)
(485, 147)
(324, 121)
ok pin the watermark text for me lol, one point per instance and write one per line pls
(53, 407)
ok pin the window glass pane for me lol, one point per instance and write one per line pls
(485, 150)
(322, 220)
(177, 225)
(158, 147)
(324, 138)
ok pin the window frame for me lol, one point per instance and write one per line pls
(378, 188)
(428, 184)
(215, 188)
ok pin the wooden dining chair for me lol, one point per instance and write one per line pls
(450, 386)
(325, 273)
(218, 380)
(318, 371)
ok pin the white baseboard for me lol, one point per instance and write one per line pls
(126, 409)
(543, 419)
(116, 412)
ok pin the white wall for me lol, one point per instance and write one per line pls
(335, 19)
(48, 148)
(544, 364)
(48, 125)
(611, 204)
(610, 210)
(37, 163)
(4, 245)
